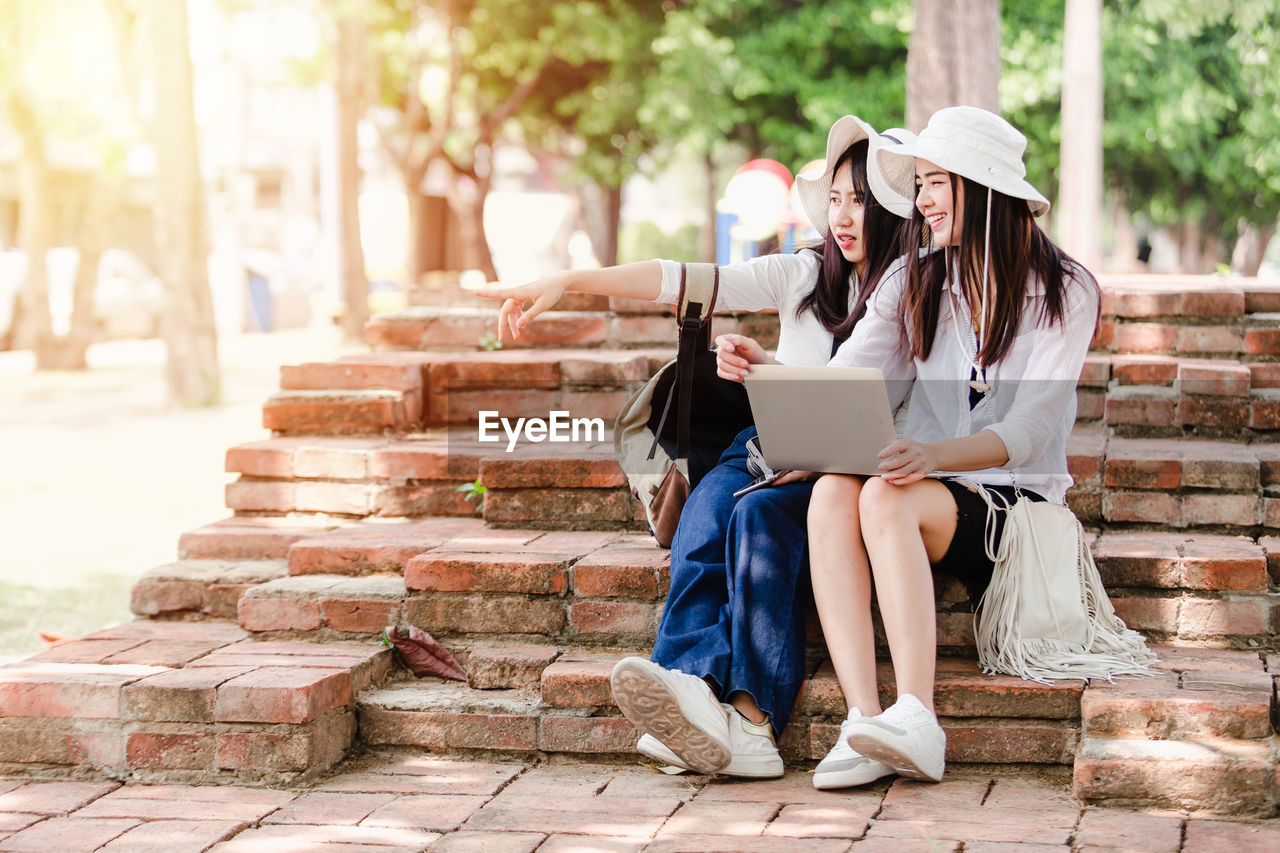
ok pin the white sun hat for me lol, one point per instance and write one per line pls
(815, 189)
(967, 141)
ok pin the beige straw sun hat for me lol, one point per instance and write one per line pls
(967, 141)
(815, 190)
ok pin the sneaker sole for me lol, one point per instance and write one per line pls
(849, 778)
(645, 700)
(886, 753)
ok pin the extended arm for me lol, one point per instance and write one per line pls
(641, 280)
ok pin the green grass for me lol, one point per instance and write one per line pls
(96, 601)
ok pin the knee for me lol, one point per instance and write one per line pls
(834, 502)
(880, 501)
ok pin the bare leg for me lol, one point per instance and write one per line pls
(747, 707)
(905, 528)
(842, 587)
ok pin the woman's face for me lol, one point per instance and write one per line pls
(844, 218)
(936, 202)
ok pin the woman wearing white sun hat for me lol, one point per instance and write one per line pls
(729, 657)
(991, 323)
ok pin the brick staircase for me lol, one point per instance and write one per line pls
(256, 657)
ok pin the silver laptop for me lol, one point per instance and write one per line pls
(830, 419)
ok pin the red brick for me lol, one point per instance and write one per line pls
(833, 820)
(1217, 836)
(360, 373)
(1261, 298)
(507, 667)
(586, 734)
(442, 813)
(577, 467)
(329, 807)
(604, 368)
(564, 507)
(1016, 743)
(53, 798)
(486, 614)
(85, 651)
(1213, 412)
(164, 652)
(245, 495)
(445, 571)
(182, 695)
(1104, 336)
(613, 617)
(66, 690)
(962, 690)
(614, 816)
(631, 331)
(282, 695)
(165, 836)
(169, 751)
(1223, 562)
(445, 730)
(1224, 380)
(1207, 617)
(1146, 303)
(333, 411)
(270, 458)
(339, 498)
(357, 615)
(523, 370)
(1111, 828)
(1262, 341)
(1142, 411)
(279, 614)
(464, 407)
(68, 833)
(150, 597)
(315, 747)
(1148, 614)
(452, 458)
(1153, 507)
(1264, 374)
(242, 538)
(1144, 369)
(1091, 404)
(222, 600)
(1208, 339)
(1218, 302)
(719, 818)
(1219, 465)
(615, 582)
(367, 549)
(1155, 712)
(1145, 465)
(1218, 509)
(1139, 559)
(1264, 413)
(1270, 545)
(1096, 371)
(578, 683)
(1271, 512)
(1145, 337)
(335, 458)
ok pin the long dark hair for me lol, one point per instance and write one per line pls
(1020, 253)
(882, 234)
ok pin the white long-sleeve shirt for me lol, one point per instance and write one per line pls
(771, 281)
(1032, 402)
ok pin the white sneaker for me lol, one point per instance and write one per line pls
(844, 767)
(676, 708)
(906, 737)
(755, 755)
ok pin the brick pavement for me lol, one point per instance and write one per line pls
(417, 802)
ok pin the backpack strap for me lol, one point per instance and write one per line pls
(699, 287)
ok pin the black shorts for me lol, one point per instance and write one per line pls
(966, 558)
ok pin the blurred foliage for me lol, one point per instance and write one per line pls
(1191, 129)
(640, 241)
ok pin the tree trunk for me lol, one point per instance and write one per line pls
(188, 325)
(707, 241)
(1124, 253)
(1079, 208)
(32, 326)
(469, 208)
(1250, 248)
(96, 210)
(417, 253)
(602, 212)
(953, 58)
(355, 284)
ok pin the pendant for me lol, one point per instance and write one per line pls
(979, 386)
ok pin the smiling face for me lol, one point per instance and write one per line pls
(937, 202)
(844, 217)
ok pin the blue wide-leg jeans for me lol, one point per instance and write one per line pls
(740, 587)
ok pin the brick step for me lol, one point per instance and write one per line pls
(190, 702)
(468, 329)
(570, 711)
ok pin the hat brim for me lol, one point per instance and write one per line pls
(815, 190)
(896, 166)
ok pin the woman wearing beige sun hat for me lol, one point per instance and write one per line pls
(988, 326)
(729, 658)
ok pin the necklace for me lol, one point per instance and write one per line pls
(978, 378)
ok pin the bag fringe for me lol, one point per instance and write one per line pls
(1109, 647)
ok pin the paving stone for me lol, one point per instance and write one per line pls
(969, 827)
(504, 842)
(419, 774)
(327, 839)
(594, 844)
(833, 820)
(176, 803)
(53, 798)
(174, 836)
(318, 807)
(66, 833)
(611, 817)
(644, 782)
(1109, 829)
(426, 811)
(739, 844)
(700, 817)
(1211, 836)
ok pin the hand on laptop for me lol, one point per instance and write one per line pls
(794, 477)
(736, 353)
(905, 461)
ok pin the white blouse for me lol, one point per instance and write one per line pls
(1032, 402)
(771, 281)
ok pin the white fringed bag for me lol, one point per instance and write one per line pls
(1045, 614)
